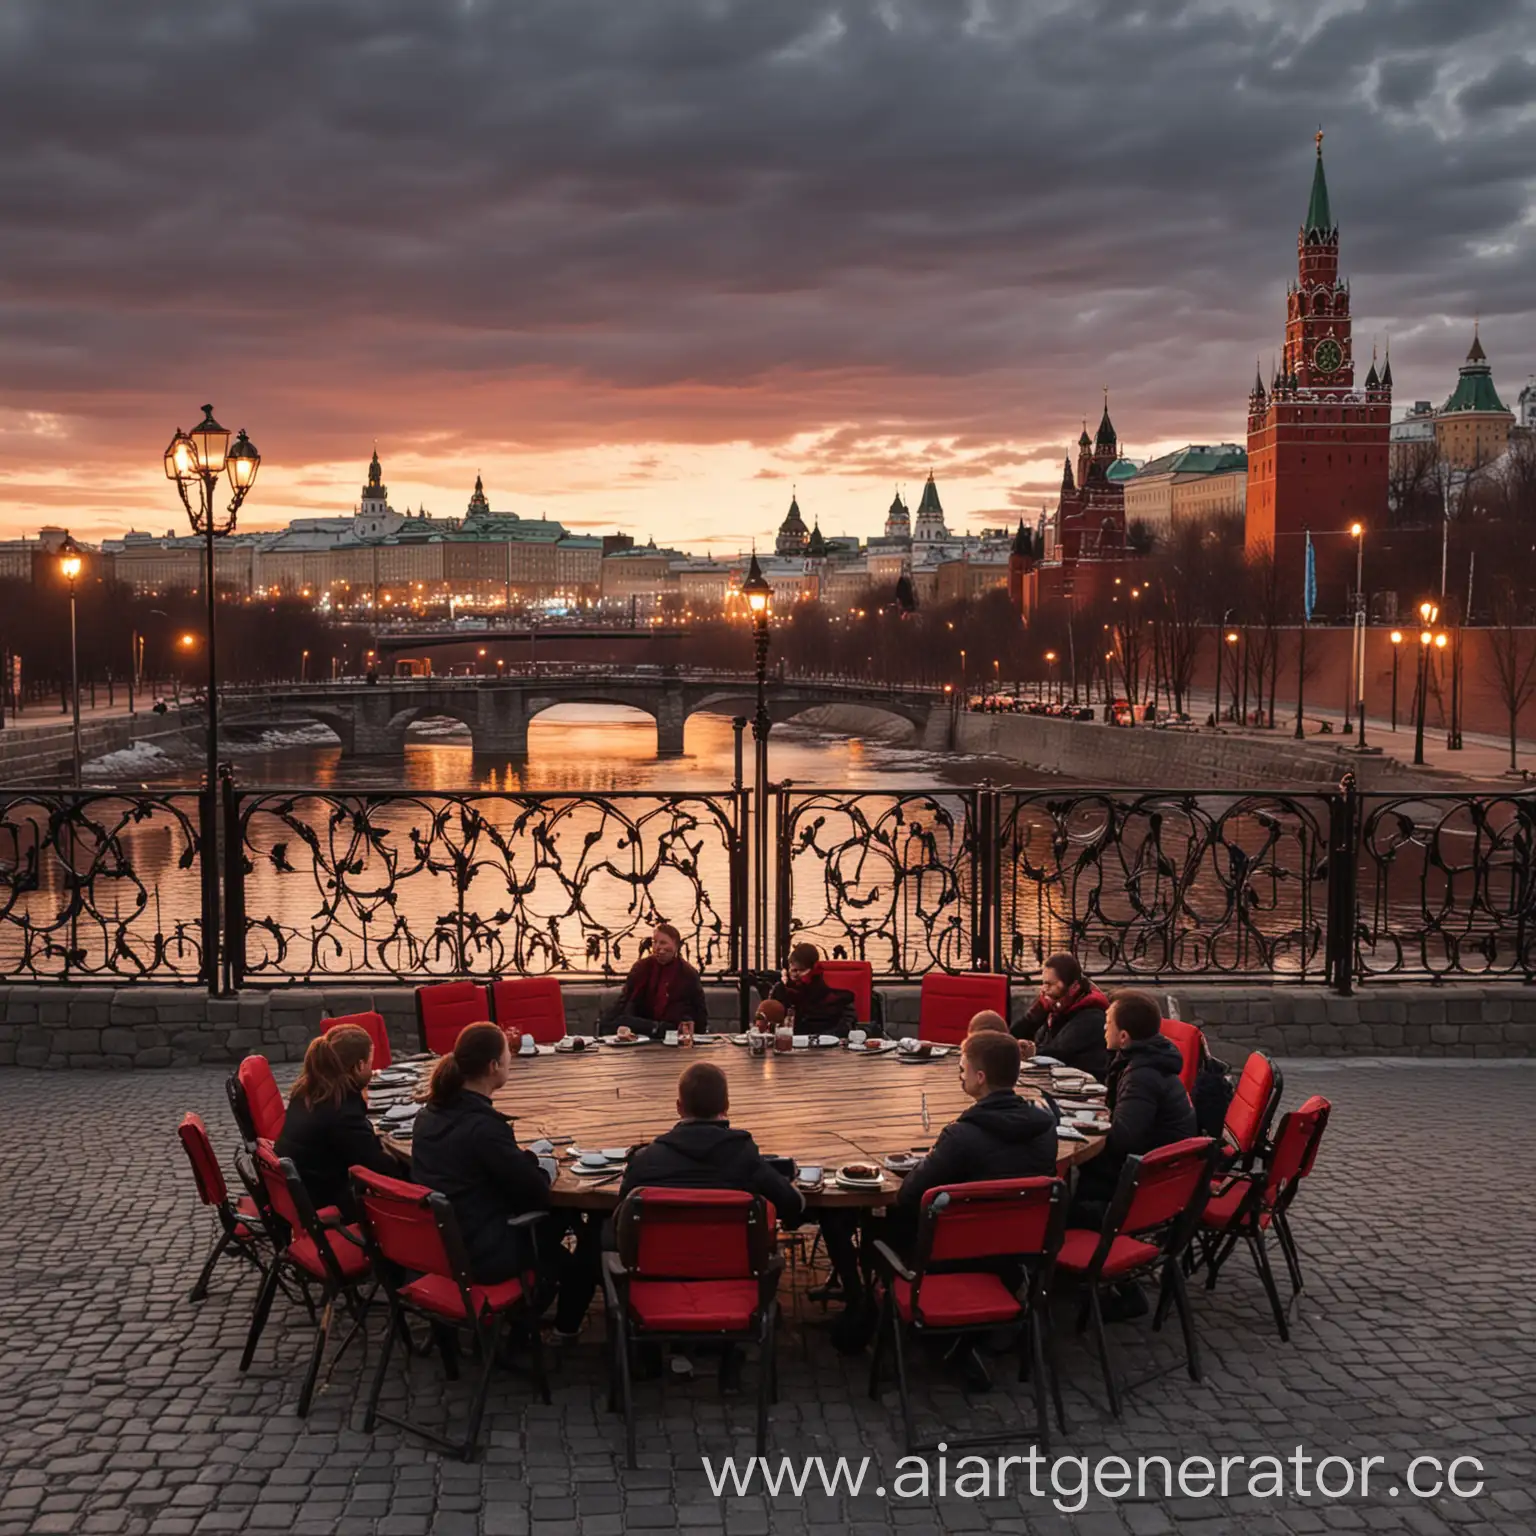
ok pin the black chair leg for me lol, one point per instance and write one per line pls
(626, 1394)
(482, 1389)
(391, 1333)
(1288, 1248)
(1107, 1365)
(901, 1379)
(764, 1384)
(259, 1316)
(1267, 1275)
(1048, 1344)
(322, 1333)
(447, 1349)
(1032, 1352)
(1180, 1292)
(200, 1290)
(877, 1349)
(536, 1360)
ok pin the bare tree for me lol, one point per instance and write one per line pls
(1513, 644)
(1265, 610)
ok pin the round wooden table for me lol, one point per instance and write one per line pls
(817, 1106)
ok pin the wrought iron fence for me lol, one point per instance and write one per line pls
(1335, 887)
(407, 886)
(100, 885)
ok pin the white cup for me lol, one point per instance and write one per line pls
(670, 1038)
(909, 1042)
(857, 1036)
(529, 1047)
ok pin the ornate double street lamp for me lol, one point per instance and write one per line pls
(1428, 612)
(194, 461)
(759, 596)
(1397, 653)
(70, 565)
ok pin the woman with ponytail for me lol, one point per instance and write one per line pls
(326, 1130)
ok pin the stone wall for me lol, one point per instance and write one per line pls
(59, 1027)
(1095, 753)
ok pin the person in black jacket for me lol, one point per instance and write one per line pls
(1148, 1108)
(326, 1129)
(661, 992)
(1067, 1019)
(819, 1008)
(464, 1148)
(705, 1151)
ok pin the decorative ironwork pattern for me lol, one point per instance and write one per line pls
(1166, 884)
(99, 886)
(1446, 887)
(884, 876)
(406, 885)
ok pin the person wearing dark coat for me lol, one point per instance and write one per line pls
(705, 1151)
(661, 992)
(326, 1129)
(1148, 1108)
(1067, 1020)
(819, 1008)
(463, 1148)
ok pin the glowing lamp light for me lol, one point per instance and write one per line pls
(71, 562)
(1440, 640)
(1232, 638)
(1356, 529)
(188, 641)
(1428, 612)
(1397, 637)
(1425, 638)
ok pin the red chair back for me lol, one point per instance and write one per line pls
(532, 1004)
(1253, 1104)
(997, 1218)
(856, 976)
(1191, 1044)
(1168, 1182)
(402, 1224)
(211, 1188)
(947, 1004)
(263, 1098)
(276, 1192)
(442, 1011)
(1295, 1149)
(693, 1234)
(374, 1024)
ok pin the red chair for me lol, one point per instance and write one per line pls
(1190, 1040)
(1150, 1223)
(445, 1009)
(257, 1101)
(692, 1264)
(411, 1231)
(858, 977)
(313, 1249)
(1244, 1207)
(532, 1004)
(1252, 1110)
(377, 1031)
(947, 1004)
(1008, 1220)
(240, 1231)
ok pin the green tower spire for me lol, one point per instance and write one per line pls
(1319, 215)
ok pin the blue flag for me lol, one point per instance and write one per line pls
(1309, 589)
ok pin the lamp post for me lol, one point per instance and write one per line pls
(1054, 676)
(1232, 638)
(194, 461)
(759, 596)
(70, 566)
(1428, 612)
(1357, 533)
(1397, 656)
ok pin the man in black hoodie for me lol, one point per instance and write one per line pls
(819, 1008)
(1148, 1108)
(705, 1151)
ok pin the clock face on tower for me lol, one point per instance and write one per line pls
(1327, 356)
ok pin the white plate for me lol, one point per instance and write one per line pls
(591, 1173)
(614, 1040)
(825, 1042)
(883, 1047)
(1065, 1132)
(899, 1164)
(938, 1053)
(1045, 1061)
(847, 1183)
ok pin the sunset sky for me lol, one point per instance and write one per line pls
(649, 263)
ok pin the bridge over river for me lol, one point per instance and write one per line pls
(372, 718)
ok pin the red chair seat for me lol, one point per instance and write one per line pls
(1222, 1208)
(248, 1225)
(1125, 1253)
(958, 1301)
(439, 1294)
(685, 1306)
(352, 1260)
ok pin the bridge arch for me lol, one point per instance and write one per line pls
(785, 704)
(618, 699)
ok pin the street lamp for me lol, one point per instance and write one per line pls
(71, 564)
(304, 666)
(1050, 661)
(1397, 656)
(194, 461)
(759, 596)
(1357, 533)
(1428, 612)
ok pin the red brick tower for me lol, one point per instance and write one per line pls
(1317, 445)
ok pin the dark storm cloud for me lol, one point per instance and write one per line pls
(609, 220)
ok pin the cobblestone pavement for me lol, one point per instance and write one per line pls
(126, 1412)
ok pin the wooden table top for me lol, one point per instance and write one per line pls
(816, 1106)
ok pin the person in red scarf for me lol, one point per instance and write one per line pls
(820, 1009)
(661, 992)
(1067, 1020)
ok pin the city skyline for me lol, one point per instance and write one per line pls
(728, 252)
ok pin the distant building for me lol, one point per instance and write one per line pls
(929, 527)
(1472, 428)
(1200, 481)
(794, 536)
(1317, 443)
(1527, 404)
(898, 521)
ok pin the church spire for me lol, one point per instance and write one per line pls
(1319, 222)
